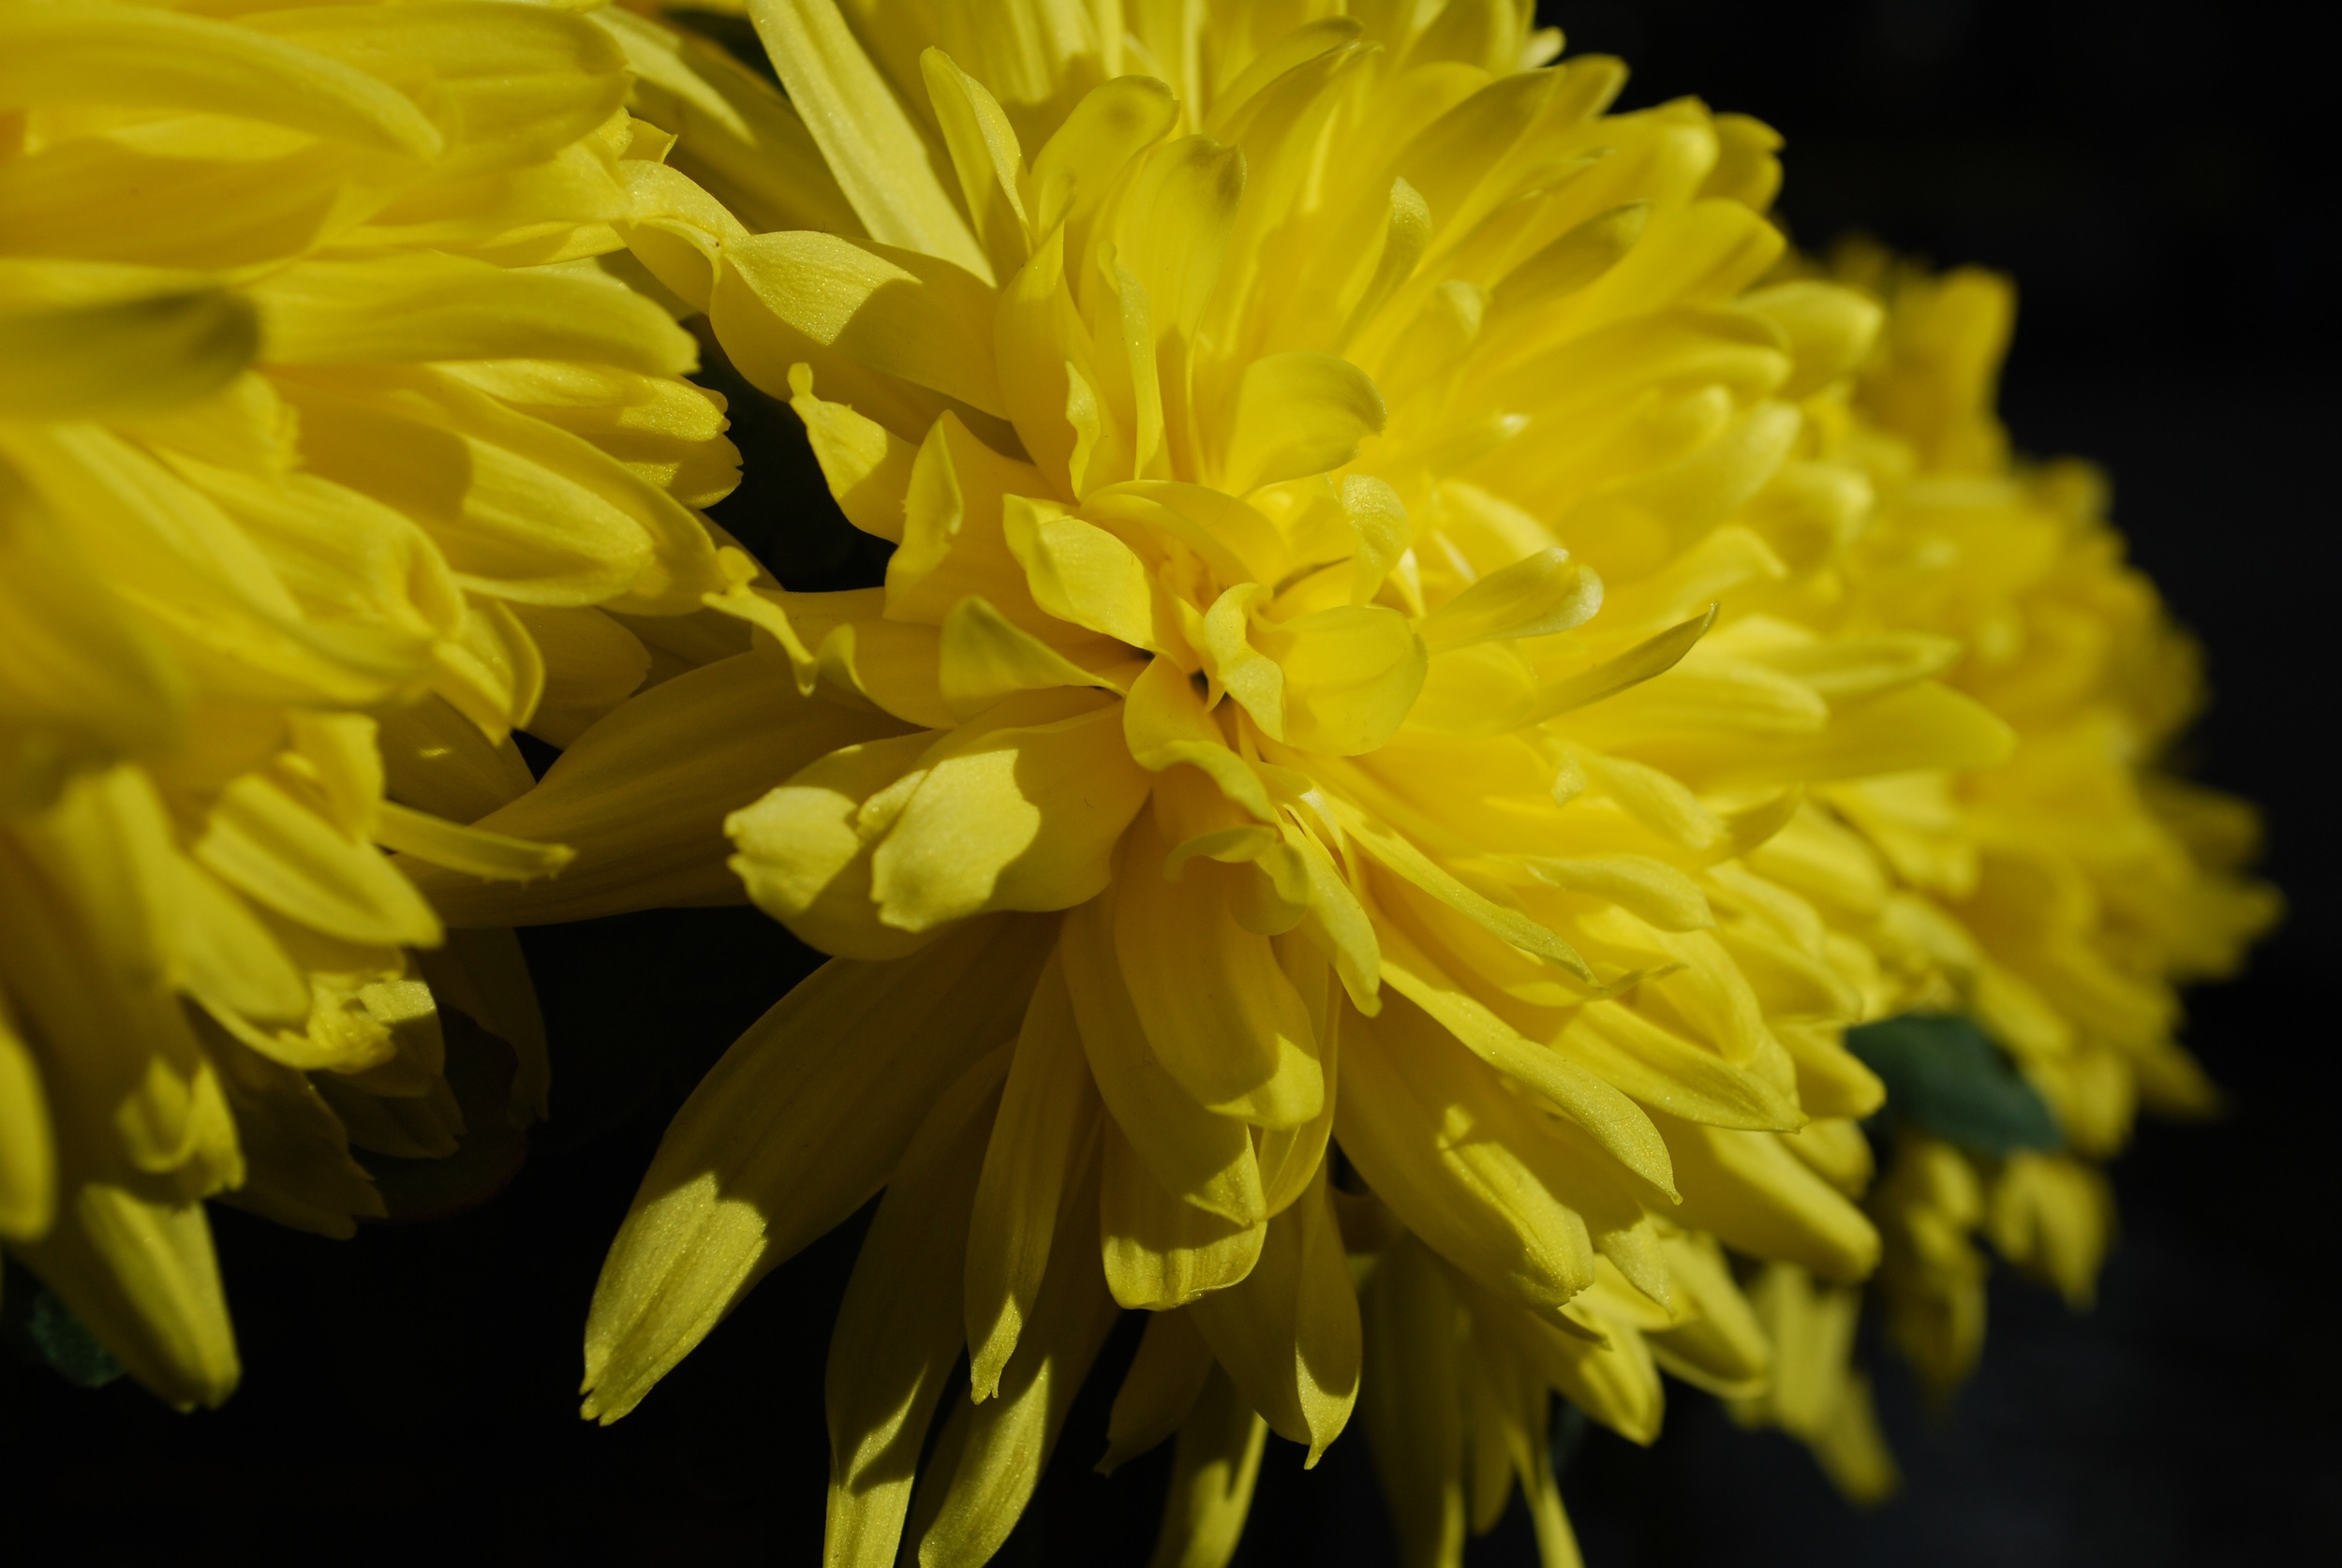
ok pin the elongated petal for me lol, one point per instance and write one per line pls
(1164, 1380)
(203, 67)
(1213, 1469)
(1160, 1253)
(897, 1337)
(1217, 1009)
(108, 360)
(1043, 1136)
(992, 1455)
(643, 795)
(28, 1176)
(1288, 1333)
(142, 1276)
(1410, 1402)
(787, 1135)
(1759, 1198)
(1608, 1116)
(1459, 1159)
(1206, 1160)
(869, 141)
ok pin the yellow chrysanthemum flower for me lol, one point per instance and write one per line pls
(2059, 898)
(328, 456)
(1234, 759)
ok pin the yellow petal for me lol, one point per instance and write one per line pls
(1661, 1069)
(506, 89)
(262, 841)
(1078, 572)
(985, 657)
(1046, 1130)
(592, 664)
(897, 1337)
(1165, 723)
(1760, 1199)
(805, 848)
(137, 356)
(499, 857)
(200, 65)
(28, 1177)
(895, 312)
(952, 543)
(1723, 1348)
(411, 307)
(735, 133)
(1206, 1160)
(643, 795)
(142, 1276)
(1410, 1400)
(1458, 1159)
(868, 466)
(991, 1456)
(874, 147)
(1296, 414)
(1217, 1008)
(1021, 810)
(1164, 1380)
(1288, 1332)
(985, 154)
(785, 1137)
(1535, 596)
(1160, 1253)
(1213, 1469)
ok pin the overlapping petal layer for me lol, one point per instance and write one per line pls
(1333, 477)
(2061, 898)
(329, 456)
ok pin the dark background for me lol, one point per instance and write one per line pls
(2154, 174)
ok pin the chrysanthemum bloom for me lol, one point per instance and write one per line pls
(1234, 759)
(2059, 898)
(327, 457)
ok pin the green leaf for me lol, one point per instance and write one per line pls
(44, 1329)
(1944, 1076)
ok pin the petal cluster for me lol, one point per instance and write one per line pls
(2060, 897)
(329, 456)
(1339, 683)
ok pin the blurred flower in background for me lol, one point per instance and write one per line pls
(2057, 900)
